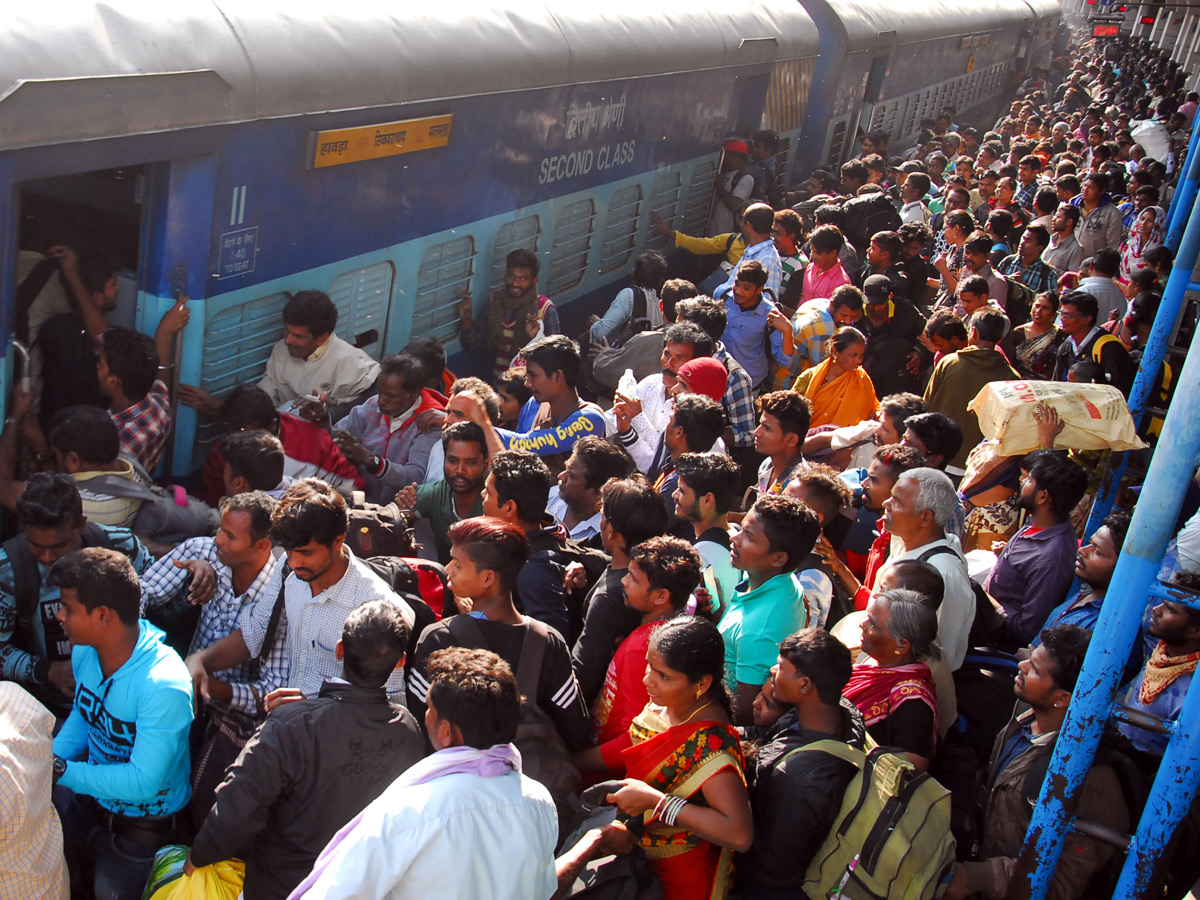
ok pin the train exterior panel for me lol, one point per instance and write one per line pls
(272, 151)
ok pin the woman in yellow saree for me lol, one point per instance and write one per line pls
(686, 768)
(838, 389)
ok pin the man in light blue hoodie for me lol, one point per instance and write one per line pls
(121, 760)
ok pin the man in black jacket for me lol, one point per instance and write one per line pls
(315, 764)
(892, 325)
(795, 796)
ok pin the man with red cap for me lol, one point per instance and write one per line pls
(735, 183)
(703, 375)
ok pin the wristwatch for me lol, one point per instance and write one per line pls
(59, 770)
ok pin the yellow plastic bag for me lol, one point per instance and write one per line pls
(220, 881)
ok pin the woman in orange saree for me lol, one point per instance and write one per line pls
(686, 766)
(840, 392)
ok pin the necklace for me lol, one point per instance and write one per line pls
(696, 712)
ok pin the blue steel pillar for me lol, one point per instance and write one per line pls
(1114, 634)
(1185, 194)
(1164, 323)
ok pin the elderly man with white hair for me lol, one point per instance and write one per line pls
(923, 502)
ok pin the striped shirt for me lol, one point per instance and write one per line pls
(165, 583)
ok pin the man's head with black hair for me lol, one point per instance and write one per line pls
(674, 290)
(83, 439)
(517, 488)
(934, 435)
(708, 484)
(633, 512)
(309, 318)
(552, 366)
(1047, 679)
(695, 424)
(254, 461)
(666, 564)
(706, 312)
(128, 364)
(777, 534)
(100, 594)
(374, 639)
(473, 699)
(432, 355)
(310, 514)
(1055, 481)
(50, 513)
(248, 408)
(812, 664)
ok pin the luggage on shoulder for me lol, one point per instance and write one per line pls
(891, 839)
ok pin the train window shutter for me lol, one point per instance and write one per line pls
(362, 297)
(699, 198)
(621, 228)
(237, 342)
(570, 246)
(523, 234)
(664, 200)
(445, 270)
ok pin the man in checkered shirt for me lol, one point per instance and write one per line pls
(229, 574)
(327, 582)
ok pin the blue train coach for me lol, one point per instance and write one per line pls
(393, 154)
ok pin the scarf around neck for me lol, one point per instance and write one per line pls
(1162, 671)
(506, 319)
(497, 760)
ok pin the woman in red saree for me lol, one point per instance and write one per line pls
(894, 690)
(686, 766)
(840, 392)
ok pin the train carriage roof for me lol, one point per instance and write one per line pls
(71, 69)
(871, 24)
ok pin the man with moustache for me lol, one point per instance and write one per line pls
(1094, 564)
(1035, 568)
(457, 496)
(327, 582)
(228, 573)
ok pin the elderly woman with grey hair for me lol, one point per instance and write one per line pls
(894, 689)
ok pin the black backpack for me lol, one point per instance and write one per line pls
(868, 215)
(638, 320)
(566, 551)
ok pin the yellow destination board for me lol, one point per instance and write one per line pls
(347, 145)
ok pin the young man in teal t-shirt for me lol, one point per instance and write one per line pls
(777, 534)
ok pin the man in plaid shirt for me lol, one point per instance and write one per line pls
(327, 582)
(1027, 184)
(138, 400)
(228, 573)
(1026, 264)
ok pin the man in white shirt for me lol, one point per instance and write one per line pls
(327, 583)
(735, 183)
(309, 361)
(922, 503)
(463, 822)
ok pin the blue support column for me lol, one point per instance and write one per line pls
(1120, 618)
(1178, 284)
(1185, 195)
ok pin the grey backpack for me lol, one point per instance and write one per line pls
(168, 514)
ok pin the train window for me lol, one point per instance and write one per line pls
(570, 246)
(445, 270)
(238, 340)
(621, 228)
(362, 297)
(522, 234)
(664, 200)
(699, 200)
(874, 86)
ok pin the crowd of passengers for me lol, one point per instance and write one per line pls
(727, 520)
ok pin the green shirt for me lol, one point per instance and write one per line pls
(435, 502)
(755, 625)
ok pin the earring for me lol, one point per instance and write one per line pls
(699, 693)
